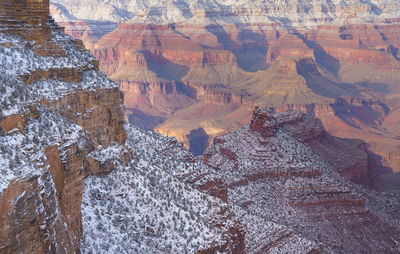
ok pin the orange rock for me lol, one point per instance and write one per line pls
(24, 221)
(12, 122)
(56, 168)
(43, 212)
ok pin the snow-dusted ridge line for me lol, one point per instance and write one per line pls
(288, 13)
(147, 202)
(19, 59)
(22, 154)
(143, 202)
(16, 59)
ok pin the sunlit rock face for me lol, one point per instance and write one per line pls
(276, 167)
(17, 17)
(75, 177)
(56, 108)
(224, 58)
(24, 12)
(64, 143)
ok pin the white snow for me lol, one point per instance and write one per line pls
(22, 154)
(144, 207)
(290, 13)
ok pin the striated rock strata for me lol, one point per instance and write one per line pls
(56, 109)
(73, 173)
(269, 53)
(271, 169)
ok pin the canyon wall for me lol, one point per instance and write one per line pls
(61, 109)
(73, 173)
(62, 125)
(298, 55)
(266, 170)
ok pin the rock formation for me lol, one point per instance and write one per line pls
(73, 173)
(270, 169)
(64, 144)
(56, 109)
(242, 54)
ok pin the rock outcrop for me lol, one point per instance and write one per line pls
(64, 144)
(272, 169)
(16, 17)
(260, 53)
(56, 109)
(73, 173)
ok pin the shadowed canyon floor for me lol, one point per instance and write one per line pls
(192, 65)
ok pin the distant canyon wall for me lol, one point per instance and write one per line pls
(175, 73)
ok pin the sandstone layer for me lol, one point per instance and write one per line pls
(269, 171)
(47, 134)
(76, 178)
(63, 135)
(236, 55)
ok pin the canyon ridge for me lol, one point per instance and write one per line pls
(195, 70)
(76, 177)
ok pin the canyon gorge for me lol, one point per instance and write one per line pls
(77, 177)
(195, 70)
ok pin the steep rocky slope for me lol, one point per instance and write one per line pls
(56, 107)
(73, 174)
(274, 194)
(155, 203)
(74, 177)
(177, 59)
(61, 122)
(270, 172)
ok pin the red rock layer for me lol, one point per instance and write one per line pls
(43, 214)
(263, 174)
(17, 16)
(333, 61)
